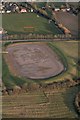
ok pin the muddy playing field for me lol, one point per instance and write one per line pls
(33, 60)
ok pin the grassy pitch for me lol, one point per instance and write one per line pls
(15, 23)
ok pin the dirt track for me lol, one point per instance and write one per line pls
(33, 60)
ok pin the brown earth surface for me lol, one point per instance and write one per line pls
(68, 20)
(33, 60)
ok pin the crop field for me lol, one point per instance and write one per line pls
(37, 105)
(70, 21)
(15, 23)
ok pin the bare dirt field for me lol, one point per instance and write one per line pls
(33, 60)
(69, 20)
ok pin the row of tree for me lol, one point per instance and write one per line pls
(35, 36)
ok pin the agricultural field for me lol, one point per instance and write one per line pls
(40, 103)
(68, 20)
(15, 24)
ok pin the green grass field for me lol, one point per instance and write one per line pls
(15, 23)
(68, 50)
